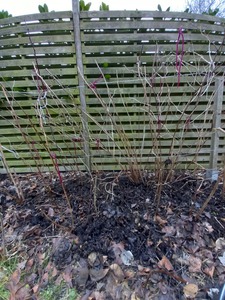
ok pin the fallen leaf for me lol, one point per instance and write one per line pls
(59, 280)
(117, 250)
(195, 264)
(31, 279)
(205, 253)
(117, 272)
(22, 265)
(92, 258)
(54, 272)
(208, 227)
(97, 296)
(190, 290)
(164, 290)
(67, 275)
(222, 259)
(169, 230)
(41, 257)
(51, 212)
(127, 257)
(97, 274)
(134, 296)
(30, 262)
(160, 221)
(213, 293)
(220, 244)
(95, 260)
(143, 270)
(82, 273)
(15, 277)
(209, 270)
(22, 293)
(129, 274)
(35, 288)
(44, 279)
(169, 211)
(165, 263)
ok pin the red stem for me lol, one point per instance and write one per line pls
(93, 84)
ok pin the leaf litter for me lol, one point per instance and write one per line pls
(118, 248)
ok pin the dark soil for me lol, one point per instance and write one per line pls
(170, 245)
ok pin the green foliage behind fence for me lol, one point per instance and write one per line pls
(149, 84)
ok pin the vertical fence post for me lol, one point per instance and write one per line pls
(79, 60)
(212, 173)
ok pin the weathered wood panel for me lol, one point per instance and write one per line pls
(149, 95)
(40, 102)
(139, 108)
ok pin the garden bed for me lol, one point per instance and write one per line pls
(116, 239)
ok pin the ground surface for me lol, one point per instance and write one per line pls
(112, 243)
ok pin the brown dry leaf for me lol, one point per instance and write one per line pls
(31, 279)
(195, 264)
(125, 291)
(143, 270)
(164, 289)
(48, 267)
(129, 273)
(13, 284)
(21, 294)
(67, 275)
(82, 273)
(10, 235)
(30, 262)
(169, 211)
(209, 270)
(97, 296)
(41, 257)
(30, 231)
(15, 277)
(117, 272)
(58, 280)
(54, 272)
(193, 248)
(190, 290)
(134, 296)
(44, 279)
(35, 288)
(92, 257)
(96, 274)
(165, 263)
(111, 285)
(169, 230)
(160, 221)
(118, 248)
(205, 253)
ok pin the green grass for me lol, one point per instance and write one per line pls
(7, 267)
(54, 292)
(51, 292)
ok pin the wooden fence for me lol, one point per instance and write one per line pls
(111, 90)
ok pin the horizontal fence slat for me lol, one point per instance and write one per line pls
(140, 106)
